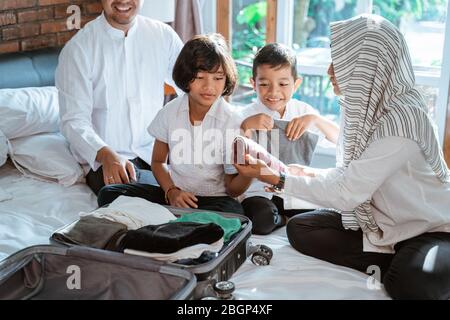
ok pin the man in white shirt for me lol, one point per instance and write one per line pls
(110, 78)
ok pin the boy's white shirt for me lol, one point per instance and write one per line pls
(199, 177)
(294, 108)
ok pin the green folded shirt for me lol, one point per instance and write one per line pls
(230, 226)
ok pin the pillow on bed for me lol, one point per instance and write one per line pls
(28, 111)
(3, 149)
(46, 156)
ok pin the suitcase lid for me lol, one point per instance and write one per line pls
(54, 272)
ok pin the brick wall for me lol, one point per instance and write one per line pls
(34, 24)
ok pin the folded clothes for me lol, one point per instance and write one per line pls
(230, 226)
(243, 146)
(92, 232)
(133, 212)
(299, 151)
(192, 252)
(171, 237)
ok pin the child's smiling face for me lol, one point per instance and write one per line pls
(275, 86)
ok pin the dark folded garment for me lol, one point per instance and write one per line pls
(92, 232)
(171, 237)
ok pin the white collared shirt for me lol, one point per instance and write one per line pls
(407, 197)
(294, 108)
(111, 87)
(198, 155)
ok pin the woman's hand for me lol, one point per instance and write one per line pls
(299, 125)
(255, 168)
(182, 199)
(301, 171)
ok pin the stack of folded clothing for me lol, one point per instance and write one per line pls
(243, 146)
(193, 236)
(105, 227)
(174, 241)
(230, 226)
(92, 232)
(137, 226)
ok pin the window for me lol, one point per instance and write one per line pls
(304, 25)
(421, 21)
(417, 19)
(248, 35)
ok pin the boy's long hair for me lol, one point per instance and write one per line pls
(205, 53)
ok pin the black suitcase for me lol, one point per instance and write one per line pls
(219, 269)
(81, 273)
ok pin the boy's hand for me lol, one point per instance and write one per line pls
(182, 199)
(299, 125)
(260, 121)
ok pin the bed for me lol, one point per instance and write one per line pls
(32, 209)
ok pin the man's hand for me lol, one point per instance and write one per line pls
(182, 199)
(260, 121)
(116, 169)
(299, 125)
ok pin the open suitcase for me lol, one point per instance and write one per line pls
(67, 273)
(206, 275)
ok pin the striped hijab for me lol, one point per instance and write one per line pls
(374, 73)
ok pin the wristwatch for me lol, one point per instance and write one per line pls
(279, 187)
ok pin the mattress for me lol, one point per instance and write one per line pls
(37, 208)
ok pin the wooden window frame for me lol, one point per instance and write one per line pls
(224, 19)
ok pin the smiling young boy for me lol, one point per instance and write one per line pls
(275, 81)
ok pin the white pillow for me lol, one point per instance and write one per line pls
(47, 156)
(3, 149)
(28, 111)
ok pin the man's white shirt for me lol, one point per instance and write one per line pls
(111, 87)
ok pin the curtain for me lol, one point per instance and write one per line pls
(188, 20)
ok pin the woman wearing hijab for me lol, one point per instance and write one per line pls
(391, 187)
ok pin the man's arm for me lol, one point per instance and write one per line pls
(74, 83)
(75, 87)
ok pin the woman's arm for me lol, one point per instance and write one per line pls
(360, 180)
(354, 185)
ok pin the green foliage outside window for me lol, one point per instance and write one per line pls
(249, 35)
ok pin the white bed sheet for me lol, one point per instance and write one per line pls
(38, 208)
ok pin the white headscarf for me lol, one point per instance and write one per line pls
(374, 73)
